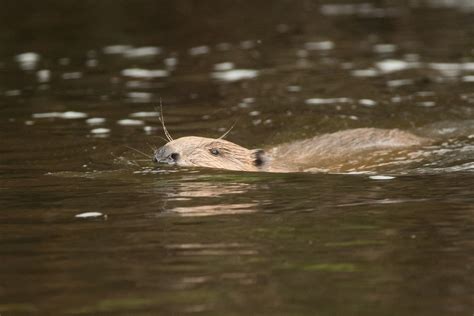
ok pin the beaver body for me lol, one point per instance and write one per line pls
(344, 150)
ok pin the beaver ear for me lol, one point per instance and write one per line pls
(259, 157)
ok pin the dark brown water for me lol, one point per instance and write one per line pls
(186, 241)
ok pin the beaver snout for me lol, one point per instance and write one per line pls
(161, 155)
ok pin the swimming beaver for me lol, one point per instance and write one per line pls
(328, 152)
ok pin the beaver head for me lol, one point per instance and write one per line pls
(192, 151)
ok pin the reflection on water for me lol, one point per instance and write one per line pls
(89, 226)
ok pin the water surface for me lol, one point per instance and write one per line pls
(80, 82)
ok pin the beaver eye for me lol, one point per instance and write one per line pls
(174, 156)
(214, 151)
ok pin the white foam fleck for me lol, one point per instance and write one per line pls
(381, 177)
(367, 102)
(43, 75)
(223, 46)
(100, 130)
(91, 63)
(140, 52)
(224, 66)
(72, 75)
(72, 115)
(426, 104)
(63, 115)
(95, 120)
(384, 48)
(145, 114)
(322, 101)
(140, 96)
(27, 61)
(322, 45)
(12, 93)
(89, 215)
(199, 50)
(293, 88)
(452, 69)
(468, 78)
(144, 73)
(149, 129)
(254, 113)
(171, 62)
(394, 65)
(235, 74)
(248, 44)
(116, 49)
(64, 61)
(130, 122)
(399, 82)
(370, 72)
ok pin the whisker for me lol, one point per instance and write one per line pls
(162, 120)
(153, 148)
(140, 152)
(228, 131)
